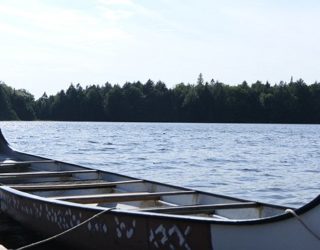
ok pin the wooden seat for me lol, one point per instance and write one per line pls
(43, 174)
(65, 186)
(119, 197)
(198, 209)
(50, 181)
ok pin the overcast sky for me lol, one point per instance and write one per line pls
(47, 44)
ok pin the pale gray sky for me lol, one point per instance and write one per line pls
(47, 44)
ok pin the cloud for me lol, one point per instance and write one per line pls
(44, 45)
(60, 26)
(115, 2)
(117, 15)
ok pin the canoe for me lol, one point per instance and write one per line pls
(105, 210)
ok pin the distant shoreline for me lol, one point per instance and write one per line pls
(204, 102)
(146, 122)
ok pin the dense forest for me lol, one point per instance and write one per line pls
(293, 102)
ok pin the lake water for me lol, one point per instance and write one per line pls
(270, 163)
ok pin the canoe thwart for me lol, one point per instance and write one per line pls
(119, 197)
(59, 186)
(197, 209)
(43, 174)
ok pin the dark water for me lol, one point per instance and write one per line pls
(270, 163)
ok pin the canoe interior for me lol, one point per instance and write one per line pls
(57, 180)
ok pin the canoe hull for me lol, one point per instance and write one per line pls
(119, 230)
(112, 230)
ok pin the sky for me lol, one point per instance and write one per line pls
(45, 45)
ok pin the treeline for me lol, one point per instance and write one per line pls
(293, 102)
(16, 104)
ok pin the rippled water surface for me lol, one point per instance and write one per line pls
(270, 163)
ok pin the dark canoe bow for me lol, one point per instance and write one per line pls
(4, 145)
